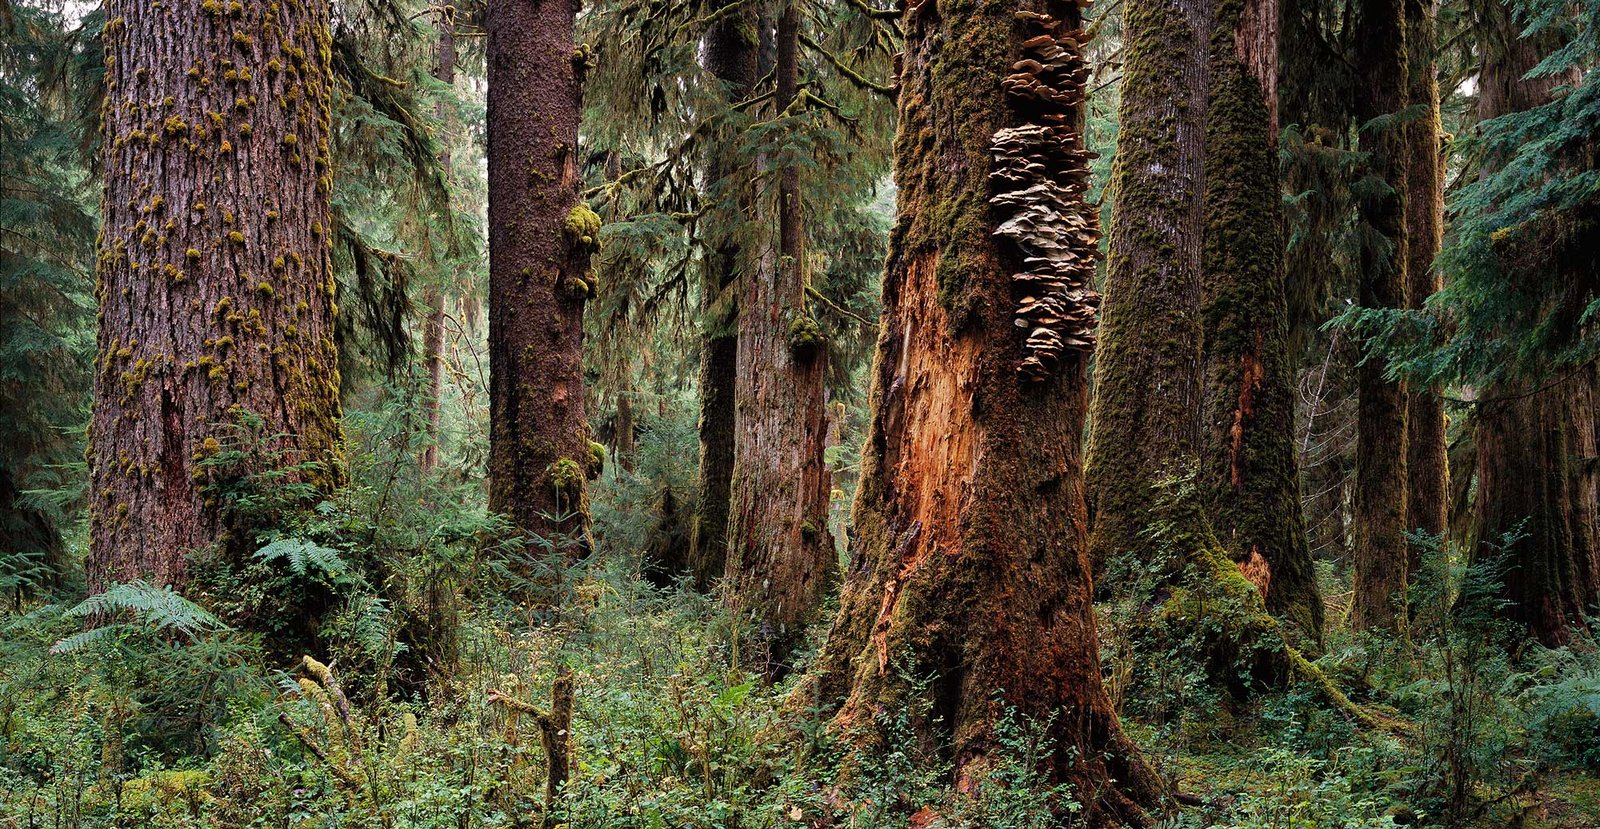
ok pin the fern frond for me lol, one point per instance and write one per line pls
(303, 556)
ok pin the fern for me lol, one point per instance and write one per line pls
(304, 556)
(139, 605)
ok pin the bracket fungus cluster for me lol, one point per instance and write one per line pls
(1041, 174)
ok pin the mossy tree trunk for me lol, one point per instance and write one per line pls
(968, 558)
(1536, 437)
(541, 238)
(1381, 555)
(780, 554)
(213, 276)
(1250, 471)
(433, 325)
(1146, 411)
(1530, 480)
(731, 53)
(1427, 461)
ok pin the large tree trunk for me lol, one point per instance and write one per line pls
(1380, 510)
(433, 330)
(1147, 404)
(1251, 470)
(541, 238)
(1536, 437)
(1427, 461)
(215, 290)
(968, 558)
(731, 53)
(780, 553)
(1530, 450)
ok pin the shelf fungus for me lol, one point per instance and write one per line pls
(1040, 176)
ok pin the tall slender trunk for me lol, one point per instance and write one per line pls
(780, 552)
(968, 559)
(1148, 389)
(1381, 555)
(731, 53)
(1427, 461)
(541, 238)
(1535, 436)
(213, 278)
(433, 330)
(1251, 469)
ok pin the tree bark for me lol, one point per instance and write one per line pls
(541, 239)
(213, 276)
(1530, 481)
(1148, 389)
(780, 553)
(968, 557)
(1427, 461)
(433, 326)
(1381, 552)
(731, 54)
(1251, 469)
(1536, 437)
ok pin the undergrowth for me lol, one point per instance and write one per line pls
(139, 707)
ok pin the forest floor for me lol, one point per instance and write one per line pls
(129, 725)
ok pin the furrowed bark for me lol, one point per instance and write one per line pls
(1148, 391)
(1251, 475)
(1427, 462)
(1536, 437)
(541, 238)
(1381, 551)
(968, 560)
(213, 277)
(780, 553)
(730, 53)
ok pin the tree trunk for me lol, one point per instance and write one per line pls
(541, 238)
(968, 557)
(1381, 554)
(215, 290)
(1147, 404)
(780, 553)
(1251, 469)
(731, 54)
(433, 330)
(1427, 461)
(1535, 437)
(1530, 480)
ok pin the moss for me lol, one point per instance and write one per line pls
(566, 476)
(574, 288)
(192, 254)
(582, 227)
(597, 459)
(805, 337)
(236, 237)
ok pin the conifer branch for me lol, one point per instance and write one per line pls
(849, 74)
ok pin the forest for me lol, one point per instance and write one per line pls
(745, 414)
